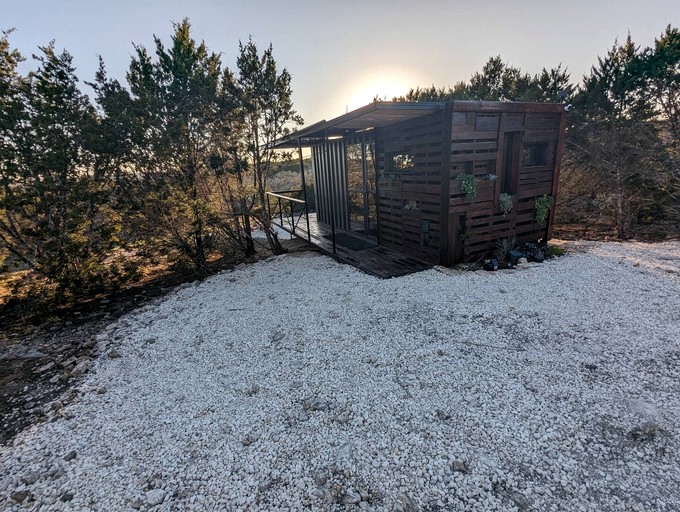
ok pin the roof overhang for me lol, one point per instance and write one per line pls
(385, 113)
(374, 115)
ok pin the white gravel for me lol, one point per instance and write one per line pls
(299, 382)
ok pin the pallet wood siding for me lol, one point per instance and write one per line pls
(480, 146)
(409, 200)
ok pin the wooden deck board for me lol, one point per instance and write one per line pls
(378, 261)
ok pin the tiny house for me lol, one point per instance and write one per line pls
(440, 183)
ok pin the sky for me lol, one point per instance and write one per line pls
(343, 53)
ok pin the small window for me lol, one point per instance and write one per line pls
(535, 154)
(400, 162)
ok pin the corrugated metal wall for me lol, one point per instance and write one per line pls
(330, 183)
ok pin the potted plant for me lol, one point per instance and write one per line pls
(505, 203)
(468, 185)
(543, 205)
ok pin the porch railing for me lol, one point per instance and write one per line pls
(282, 205)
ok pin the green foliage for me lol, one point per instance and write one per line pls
(554, 251)
(54, 211)
(504, 246)
(465, 235)
(505, 202)
(468, 185)
(543, 205)
(265, 99)
(622, 158)
(499, 81)
(180, 125)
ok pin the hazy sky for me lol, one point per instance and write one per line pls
(342, 53)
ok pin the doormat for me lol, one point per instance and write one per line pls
(350, 242)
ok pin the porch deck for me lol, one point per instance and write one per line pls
(353, 248)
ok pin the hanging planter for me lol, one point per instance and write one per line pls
(505, 203)
(543, 205)
(468, 185)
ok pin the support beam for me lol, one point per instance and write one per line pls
(304, 188)
(445, 242)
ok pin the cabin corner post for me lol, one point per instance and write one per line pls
(559, 154)
(445, 242)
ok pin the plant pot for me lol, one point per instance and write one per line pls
(515, 255)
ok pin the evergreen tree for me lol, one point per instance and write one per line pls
(612, 138)
(499, 81)
(181, 136)
(265, 98)
(52, 199)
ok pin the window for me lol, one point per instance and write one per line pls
(400, 162)
(535, 154)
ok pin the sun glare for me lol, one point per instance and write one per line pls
(384, 86)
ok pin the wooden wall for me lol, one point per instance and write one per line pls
(479, 146)
(412, 201)
(409, 200)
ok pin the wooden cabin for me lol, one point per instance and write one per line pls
(440, 183)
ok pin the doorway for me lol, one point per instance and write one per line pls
(361, 188)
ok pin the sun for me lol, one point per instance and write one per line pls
(383, 85)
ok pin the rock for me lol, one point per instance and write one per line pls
(70, 455)
(364, 505)
(316, 404)
(522, 261)
(113, 355)
(405, 504)
(155, 497)
(253, 390)
(248, 440)
(56, 405)
(69, 362)
(342, 418)
(443, 416)
(67, 496)
(43, 369)
(81, 368)
(265, 485)
(136, 504)
(459, 466)
(520, 501)
(320, 478)
(351, 497)
(29, 478)
(19, 496)
(29, 405)
(55, 379)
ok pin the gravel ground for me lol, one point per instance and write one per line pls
(299, 382)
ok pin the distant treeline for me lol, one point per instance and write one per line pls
(621, 162)
(174, 164)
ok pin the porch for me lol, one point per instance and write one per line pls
(288, 212)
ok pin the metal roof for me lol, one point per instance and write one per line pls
(374, 115)
(385, 113)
